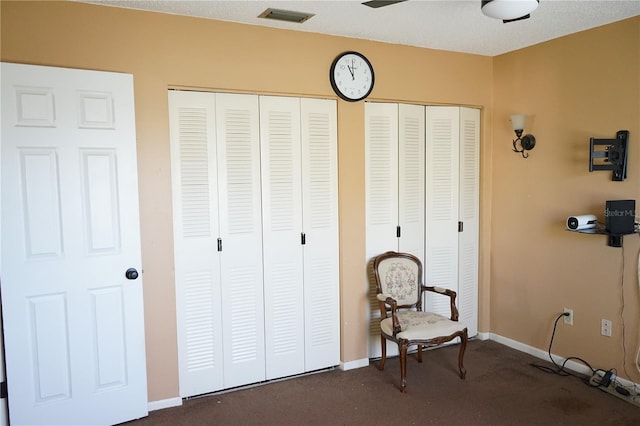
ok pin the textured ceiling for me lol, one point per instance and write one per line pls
(455, 25)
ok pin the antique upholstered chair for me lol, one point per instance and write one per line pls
(400, 290)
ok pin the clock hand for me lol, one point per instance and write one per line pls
(353, 77)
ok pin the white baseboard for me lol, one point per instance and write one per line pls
(483, 336)
(352, 365)
(539, 353)
(165, 403)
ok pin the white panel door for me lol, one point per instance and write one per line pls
(73, 323)
(442, 182)
(195, 230)
(381, 190)
(282, 228)
(240, 210)
(469, 216)
(320, 227)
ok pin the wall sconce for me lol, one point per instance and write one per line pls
(527, 142)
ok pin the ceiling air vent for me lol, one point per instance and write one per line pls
(285, 15)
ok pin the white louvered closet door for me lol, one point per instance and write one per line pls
(251, 175)
(411, 147)
(442, 182)
(394, 146)
(282, 221)
(468, 239)
(381, 182)
(197, 262)
(320, 227)
(240, 210)
(381, 190)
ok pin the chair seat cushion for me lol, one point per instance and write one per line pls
(421, 325)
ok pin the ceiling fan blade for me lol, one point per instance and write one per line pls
(506, 21)
(381, 3)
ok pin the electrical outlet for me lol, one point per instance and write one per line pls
(606, 327)
(568, 319)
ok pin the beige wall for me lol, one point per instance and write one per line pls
(576, 87)
(530, 269)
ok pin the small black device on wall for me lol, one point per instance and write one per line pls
(620, 217)
(610, 154)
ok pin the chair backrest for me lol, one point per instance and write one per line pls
(399, 275)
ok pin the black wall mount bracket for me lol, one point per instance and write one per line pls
(610, 154)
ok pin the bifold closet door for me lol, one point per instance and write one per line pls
(452, 219)
(282, 219)
(411, 205)
(381, 178)
(218, 240)
(195, 230)
(300, 220)
(469, 208)
(381, 191)
(256, 237)
(394, 151)
(320, 229)
(442, 180)
(240, 210)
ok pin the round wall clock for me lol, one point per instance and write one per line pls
(351, 76)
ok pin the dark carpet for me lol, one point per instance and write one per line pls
(501, 388)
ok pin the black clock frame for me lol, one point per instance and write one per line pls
(334, 86)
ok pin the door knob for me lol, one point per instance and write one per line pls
(131, 274)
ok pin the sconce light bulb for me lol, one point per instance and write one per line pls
(517, 122)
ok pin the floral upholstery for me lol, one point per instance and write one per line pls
(421, 325)
(399, 280)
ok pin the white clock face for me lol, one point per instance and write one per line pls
(351, 76)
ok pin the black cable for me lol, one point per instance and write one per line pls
(560, 369)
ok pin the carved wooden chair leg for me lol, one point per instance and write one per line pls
(463, 346)
(384, 353)
(403, 366)
(419, 353)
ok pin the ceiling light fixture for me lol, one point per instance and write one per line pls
(381, 3)
(286, 15)
(508, 10)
